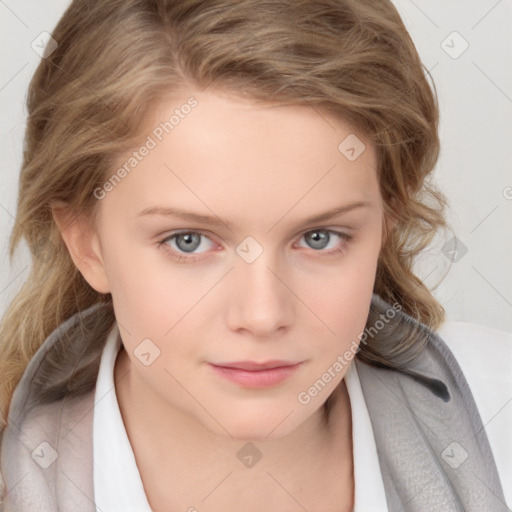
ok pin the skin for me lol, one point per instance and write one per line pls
(265, 169)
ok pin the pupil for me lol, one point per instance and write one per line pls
(318, 236)
(188, 238)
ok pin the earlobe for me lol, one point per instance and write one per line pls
(83, 246)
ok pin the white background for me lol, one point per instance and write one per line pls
(474, 170)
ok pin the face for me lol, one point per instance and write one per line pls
(214, 255)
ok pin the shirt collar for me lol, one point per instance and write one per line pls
(117, 481)
(369, 494)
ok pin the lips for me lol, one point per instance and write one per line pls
(255, 366)
(252, 374)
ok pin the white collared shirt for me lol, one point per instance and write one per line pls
(118, 485)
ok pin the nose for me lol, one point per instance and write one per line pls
(260, 300)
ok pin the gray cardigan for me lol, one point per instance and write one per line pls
(433, 450)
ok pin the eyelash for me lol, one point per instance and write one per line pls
(346, 238)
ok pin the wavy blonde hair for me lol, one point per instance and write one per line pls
(116, 58)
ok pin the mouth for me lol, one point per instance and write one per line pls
(256, 375)
(255, 366)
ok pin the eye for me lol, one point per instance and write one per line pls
(319, 238)
(186, 241)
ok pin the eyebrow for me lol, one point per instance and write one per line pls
(216, 221)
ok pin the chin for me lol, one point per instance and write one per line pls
(256, 426)
(257, 433)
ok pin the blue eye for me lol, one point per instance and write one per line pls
(318, 237)
(186, 242)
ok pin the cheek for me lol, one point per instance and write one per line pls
(139, 292)
(344, 312)
(156, 301)
(153, 304)
(344, 299)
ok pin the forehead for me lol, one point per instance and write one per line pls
(220, 152)
(222, 119)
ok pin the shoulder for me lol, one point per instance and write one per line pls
(484, 355)
(58, 437)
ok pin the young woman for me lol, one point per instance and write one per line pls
(224, 200)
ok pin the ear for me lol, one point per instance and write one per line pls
(83, 245)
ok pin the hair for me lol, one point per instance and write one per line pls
(116, 59)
